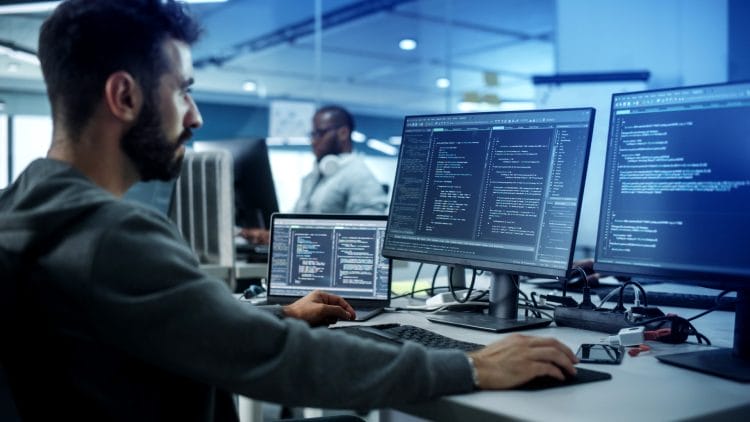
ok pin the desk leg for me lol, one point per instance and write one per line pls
(250, 410)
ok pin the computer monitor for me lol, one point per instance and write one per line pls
(492, 191)
(254, 192)
(155, 194)
(676, 200)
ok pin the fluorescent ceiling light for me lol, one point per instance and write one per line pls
(358, 136)
(381, 146)
(442, 83)
(19, 55)
(407, 44)
(37, 7)
(48, 6)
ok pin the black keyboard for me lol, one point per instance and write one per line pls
(681, 300)
(398, 334)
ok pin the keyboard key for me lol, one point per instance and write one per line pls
(398, 334)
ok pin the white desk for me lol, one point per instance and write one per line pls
(641, 389)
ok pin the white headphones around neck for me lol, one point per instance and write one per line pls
(330, 164)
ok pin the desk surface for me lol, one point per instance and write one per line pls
(641, 388)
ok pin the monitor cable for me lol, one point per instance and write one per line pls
(715, 308)
(468, 292)
(416, 276)
(620, 305)
(434, 277)
(586, 302)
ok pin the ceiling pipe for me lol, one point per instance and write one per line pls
(301, 29)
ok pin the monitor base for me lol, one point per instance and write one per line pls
(719, 362)
(487, 322)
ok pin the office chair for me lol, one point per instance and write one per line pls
(203, 209)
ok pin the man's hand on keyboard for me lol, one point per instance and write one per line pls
(256, 236)
(320, 308)
(517, 359)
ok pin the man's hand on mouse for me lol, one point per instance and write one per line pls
(518, 359)
(320, 308)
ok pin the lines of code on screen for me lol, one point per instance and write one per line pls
(497, 190)
(677, 182)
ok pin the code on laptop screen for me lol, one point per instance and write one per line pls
(341, 256)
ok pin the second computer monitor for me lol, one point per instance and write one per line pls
(493, 191)
(254, 192)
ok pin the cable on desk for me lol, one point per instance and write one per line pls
(528, 304)
(538, 313)
(418, 291)
(416, 276)
(471, 286)
(608, 296)
(620, 306)
(674, 319)
(586, 301)
(717, 307)
(434, 277)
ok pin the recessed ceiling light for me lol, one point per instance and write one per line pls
(249, 86)
(442, 83)
(407, 44)
(358, 136)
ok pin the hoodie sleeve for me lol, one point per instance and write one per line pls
(151, 300)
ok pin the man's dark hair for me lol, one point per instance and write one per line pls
(339, 115)
(85, 41)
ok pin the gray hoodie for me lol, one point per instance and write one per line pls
(108, 316)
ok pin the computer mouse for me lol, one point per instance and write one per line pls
(252, 291)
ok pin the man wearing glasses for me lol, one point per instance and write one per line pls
(340, 182)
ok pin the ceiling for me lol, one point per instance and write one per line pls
(488, 49)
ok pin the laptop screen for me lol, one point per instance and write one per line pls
(340, 254)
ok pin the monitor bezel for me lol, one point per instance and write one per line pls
(712, 279)
(494, 266)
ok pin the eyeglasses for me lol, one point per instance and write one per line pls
(319, 133)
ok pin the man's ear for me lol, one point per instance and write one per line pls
(343, 136)
(123, 96)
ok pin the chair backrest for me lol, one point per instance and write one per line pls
(203, 209)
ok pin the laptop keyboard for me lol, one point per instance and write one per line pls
(398, 334)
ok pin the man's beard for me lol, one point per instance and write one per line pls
(149, 149)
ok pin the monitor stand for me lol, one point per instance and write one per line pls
(733, 364)
(503, 310)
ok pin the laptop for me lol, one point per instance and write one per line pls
(339, 254)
